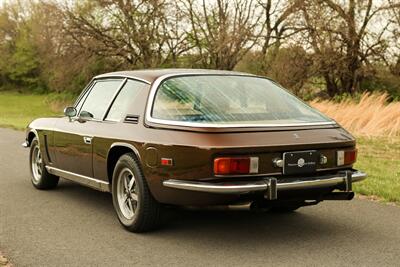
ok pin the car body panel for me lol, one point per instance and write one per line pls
(191, 149)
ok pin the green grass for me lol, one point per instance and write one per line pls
(380, 158)
(17, 110)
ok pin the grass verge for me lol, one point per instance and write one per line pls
(380, 158)
(17, 110)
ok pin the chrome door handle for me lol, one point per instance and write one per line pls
(87, 140)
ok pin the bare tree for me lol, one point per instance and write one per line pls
(394, 54)
(176, 37)
(136, 31)
(342, 41)
(222, 31)
(277, 24)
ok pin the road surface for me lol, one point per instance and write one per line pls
(76, 226)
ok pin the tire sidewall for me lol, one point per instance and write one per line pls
(127, 162)
(35, 144)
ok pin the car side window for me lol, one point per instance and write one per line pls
(125, 98)
(82, 98)
(99, 98)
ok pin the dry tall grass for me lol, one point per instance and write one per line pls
(371, 116)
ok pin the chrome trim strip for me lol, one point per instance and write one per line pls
(247, 125)
(159, 80)
(217, 188)
(253, 175)
(246, 187)
(111, 75)
(81, 179)
(113, 98)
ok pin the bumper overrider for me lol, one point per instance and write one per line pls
(271, 186)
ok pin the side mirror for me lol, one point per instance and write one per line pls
(70, 112)
(85, 116)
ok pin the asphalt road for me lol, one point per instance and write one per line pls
(76, 226)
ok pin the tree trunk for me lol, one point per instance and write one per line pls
(331, 86)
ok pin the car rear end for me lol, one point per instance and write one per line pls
(243, 138)
(264, 169)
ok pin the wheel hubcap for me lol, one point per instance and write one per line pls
(36, 164)
(127, 193)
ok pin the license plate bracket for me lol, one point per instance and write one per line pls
(300, 162)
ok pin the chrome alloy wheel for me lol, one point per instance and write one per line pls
(127, 195)
(36, 164)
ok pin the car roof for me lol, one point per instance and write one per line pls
(150, 75)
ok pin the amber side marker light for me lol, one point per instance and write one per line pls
(346, 157)
(235, 165)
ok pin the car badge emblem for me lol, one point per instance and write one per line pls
(296, 136)
(300, 162)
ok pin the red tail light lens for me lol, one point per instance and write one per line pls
(350, 156)
(346, 157)
(245, 165)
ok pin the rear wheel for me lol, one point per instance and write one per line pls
(136, 208)
(40, 178)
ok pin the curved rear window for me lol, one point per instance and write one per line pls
(230, 99)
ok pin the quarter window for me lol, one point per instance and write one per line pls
(125, 98)
(99, 98)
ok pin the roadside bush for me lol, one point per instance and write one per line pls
(383, 81)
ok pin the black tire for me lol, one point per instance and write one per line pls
(40, 178)
(146, 212)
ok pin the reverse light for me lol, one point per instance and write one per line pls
(235, 165)
(346, 157)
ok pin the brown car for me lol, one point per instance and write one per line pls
(193, 137)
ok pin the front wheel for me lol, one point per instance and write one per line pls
(40, 178)
(136, 208)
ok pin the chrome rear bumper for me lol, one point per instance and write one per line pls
(271, 186)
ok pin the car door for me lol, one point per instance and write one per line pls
(73, 137)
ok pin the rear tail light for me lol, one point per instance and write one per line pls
(236, 165)
(346, 157)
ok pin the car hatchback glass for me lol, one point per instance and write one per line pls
(222, 99)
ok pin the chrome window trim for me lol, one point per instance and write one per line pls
(83, 94)
(113, 98)
(116, 95)
(156, 84)
(95, 81)
(107, 76)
